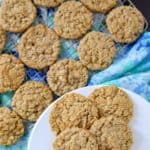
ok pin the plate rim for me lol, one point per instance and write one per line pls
(75, 91)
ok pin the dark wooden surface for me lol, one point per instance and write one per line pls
(144, 6)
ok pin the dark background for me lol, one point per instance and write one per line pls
(144, 6)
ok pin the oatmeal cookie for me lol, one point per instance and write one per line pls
(101, 6)
(72, 110)
(31, 99)
(72, 20)
(11, 127)
(48, 3)
(125, 24)
(39, 47)
(112, 133)
(66, 75)
(75, 139)
(17, 15)
(12, 73)
(2, 39)
(96, 51)
(111, 100)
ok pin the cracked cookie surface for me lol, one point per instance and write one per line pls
(75, 139)
(11, 127)
(72, 110)
(111, 100)
(101, 6)
(72, 20)
(12, 73)
(66, 75)
(96, 50)
(112, 133)
(31, 99)
(125, 24)
(17, 15)
(48, 3)
(2, 39)
(39, 47)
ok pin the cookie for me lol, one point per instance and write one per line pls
(39, 47)
(72, 20)
(17, 15)
(66, 75)
(125, 24)
(72, 110)
(75, 139)
(112, 133)
(48, 3)
(111, 100)
(11, 127)
(2, 39)
(101, 6)
(12, 73)
(96, 51)
(31, 99)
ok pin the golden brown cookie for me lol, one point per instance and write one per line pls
(12, 73)
(39, 47)
(2, 39)
(112, 133)
(72, 20)
(11, 127)
(48, 3)
(125, 24)
(72, 110)
(96, 51)
(111, 100)
(17, 15)
(101, 6)
(66, 75)
(31, 99)
(75, 139)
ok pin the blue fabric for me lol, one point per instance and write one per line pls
(130, 69)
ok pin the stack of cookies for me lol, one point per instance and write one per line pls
(97, 122)
(39, 48)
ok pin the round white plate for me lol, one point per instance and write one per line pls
(42, 136)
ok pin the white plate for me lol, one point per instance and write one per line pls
(42, 137)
